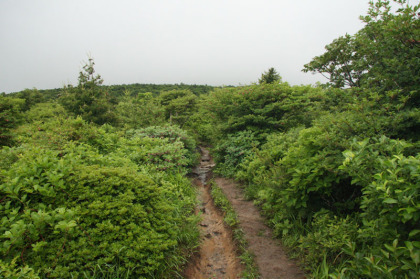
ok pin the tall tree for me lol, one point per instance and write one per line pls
(384, 54)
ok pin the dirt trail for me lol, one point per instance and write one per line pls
(269, 255)
(217, 257)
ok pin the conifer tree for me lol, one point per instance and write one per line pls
(88, 99)
(270, 76)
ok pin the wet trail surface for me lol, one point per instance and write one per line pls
(217, 257)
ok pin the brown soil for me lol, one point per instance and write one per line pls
(269, 255)
(217, 257)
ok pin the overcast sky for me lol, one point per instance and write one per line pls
(44, 43)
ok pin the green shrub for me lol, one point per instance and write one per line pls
(11, 271)
(295, 176)
(44, 112)
(88, 99)
(259, 108)
(10, 116)
(390, 209)
(229, 153)
(56, 132)
(371, 200)
(141, 111)
(178, 105)
(176, 148)
(65, 212)
(326, 239)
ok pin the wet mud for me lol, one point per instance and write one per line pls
(217, 257)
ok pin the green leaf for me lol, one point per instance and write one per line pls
(390, 201)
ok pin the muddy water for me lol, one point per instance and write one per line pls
(217, 257)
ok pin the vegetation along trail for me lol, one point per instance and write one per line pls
(217, 257)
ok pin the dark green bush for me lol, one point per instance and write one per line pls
(372, 199)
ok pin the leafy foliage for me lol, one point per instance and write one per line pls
(142, 111)
(179, 105)
(31, 97)
(233, 150)
(10, 270)
(177, 149)
(45, 112)
(382, 55)
(258, 108)
(10, 116)
(73, 200)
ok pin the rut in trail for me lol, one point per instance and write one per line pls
(270, 257)
(217, 257)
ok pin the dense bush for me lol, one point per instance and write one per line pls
(324, 191)
(178, 144)
(56, 132)
(390, 208)
(260, 108)
(179, 105)
(231, 151)
(45, 112)
(234, 120)
(76, 197)
(10, 116)
(66, 214)
(141, 111)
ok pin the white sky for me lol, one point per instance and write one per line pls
(44, 43)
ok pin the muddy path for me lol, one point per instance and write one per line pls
(217, 257)
(270, 257)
